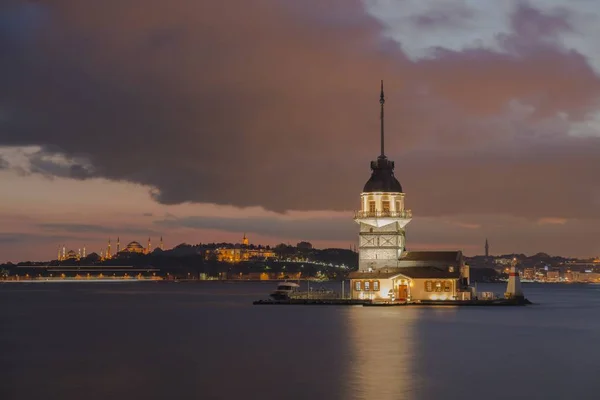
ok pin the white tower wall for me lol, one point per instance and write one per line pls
(382, 220)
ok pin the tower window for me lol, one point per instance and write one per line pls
(385, 206)
(367, 286)
(357, 285)
(372, 206)
(397, 206)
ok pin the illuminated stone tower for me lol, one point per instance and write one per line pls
(149, 248)
(108, 253)
(382, 217)
(245, 241)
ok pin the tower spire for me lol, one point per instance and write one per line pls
(382, 102)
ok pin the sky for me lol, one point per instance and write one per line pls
(202, 120)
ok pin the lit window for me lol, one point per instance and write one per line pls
(438, 286)
(447, 286)
(385, 206)
(367, 286)
(372, 206)
(428, 286)
(376, 286)
(357, 285)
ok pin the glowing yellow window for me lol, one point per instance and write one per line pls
(447, 286)
(385, 206)
(372, 207)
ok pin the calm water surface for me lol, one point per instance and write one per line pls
(207, 341)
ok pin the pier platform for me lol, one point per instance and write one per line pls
(370, 303)
(314, 302)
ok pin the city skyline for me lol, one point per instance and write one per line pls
(151, 129)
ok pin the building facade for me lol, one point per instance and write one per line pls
(386, 271)
(242, 252)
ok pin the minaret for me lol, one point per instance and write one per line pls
(84, 255)
(118, 244)
(161, 243)
(513, 289)
(487, 248)
(64, 251)
(59, 257)
(79, 253)
(382, 217)
(149, 246)
(108, 252)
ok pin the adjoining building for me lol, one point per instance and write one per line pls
(386, 271)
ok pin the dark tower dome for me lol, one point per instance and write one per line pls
(382, 177)
(382, 171)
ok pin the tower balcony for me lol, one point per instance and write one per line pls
(404, 214)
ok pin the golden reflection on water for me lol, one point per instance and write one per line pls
(384, 353)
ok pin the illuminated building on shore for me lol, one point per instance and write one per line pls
(386, 270)
(242, 252)
(64, 255)
(131, 248)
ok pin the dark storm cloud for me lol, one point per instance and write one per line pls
(42, 163)
(302, 229)
(528, 21)
(275, 103)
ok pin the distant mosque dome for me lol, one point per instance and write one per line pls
(71, 255)
(134, 247)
